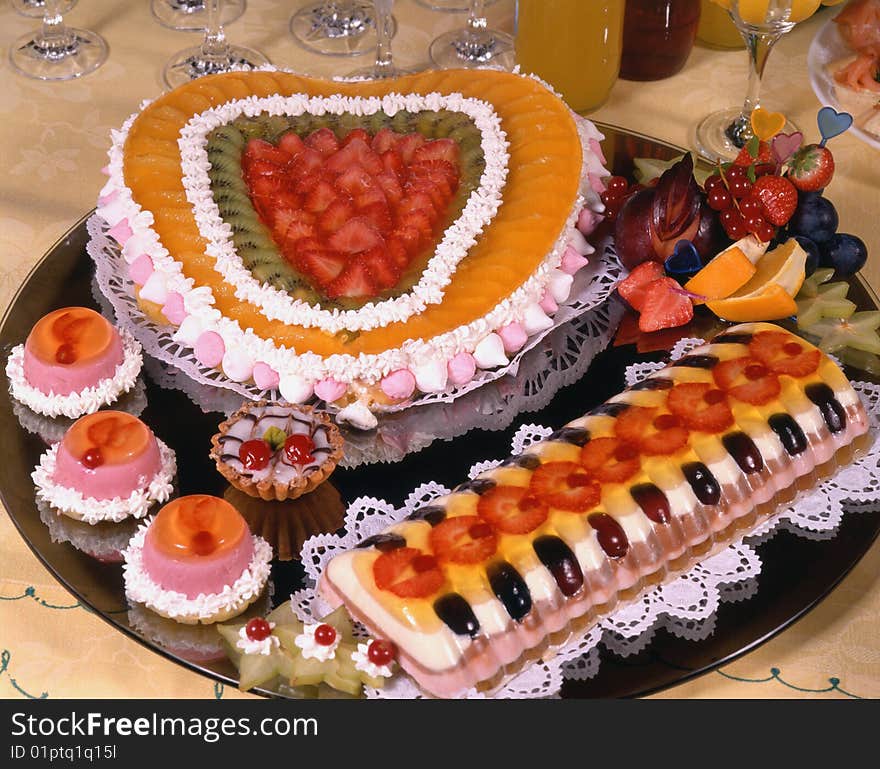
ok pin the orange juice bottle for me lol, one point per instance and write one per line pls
(717, 29)
(573, 45)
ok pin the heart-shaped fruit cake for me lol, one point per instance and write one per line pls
(362, 242)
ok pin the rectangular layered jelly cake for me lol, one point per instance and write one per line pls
(510, 564)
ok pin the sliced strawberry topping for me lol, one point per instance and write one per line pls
(512, 509)
(664, 306)
(354, 281)
(321, 265)
(748, 380)
(655, 434)
(565, 486)
(438, 149)
(382, 268)
(610, 460)
(336, 215)
(407, 146)
(700, 406)
(351, 215)
(385, 140)
(319, 197)
(408, 573)
(291, 144)
(356, 235)
(324, 141)
(784, 354)
(466, 539)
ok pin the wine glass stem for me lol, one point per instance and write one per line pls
(384, 57)
(215, 45)
(476, 16)
(759, 47)
(55, 37)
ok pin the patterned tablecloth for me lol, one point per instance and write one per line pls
(53, 142)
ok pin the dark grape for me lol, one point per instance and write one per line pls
(846, 253)
(815, 218)
(813, 254)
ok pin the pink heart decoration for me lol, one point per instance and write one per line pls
(784, 146)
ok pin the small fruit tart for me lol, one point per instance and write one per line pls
(73, 362)
(196, 562)
(276, 451)
(108, 467)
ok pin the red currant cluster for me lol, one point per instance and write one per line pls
(617, 190)
(730, 192)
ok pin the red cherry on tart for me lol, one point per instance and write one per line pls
(197, 544)
(325, 635)
(352, 215)
(258, 629)
(70, 350)
(106, 455)
(381, 652)
(298, 449)
(255, 454)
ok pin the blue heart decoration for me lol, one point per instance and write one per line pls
(684, 260)
(832, 123)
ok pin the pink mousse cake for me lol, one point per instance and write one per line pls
(197, 561)
(109, 466)
(72, 363)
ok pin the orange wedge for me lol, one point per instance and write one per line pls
(784, 265)
(726, 273)
(772, 303)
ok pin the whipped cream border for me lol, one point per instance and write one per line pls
(479, 210)
(141, 588)
(75, 504)
(199, 301)
(76, 404)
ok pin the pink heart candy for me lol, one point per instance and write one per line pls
(784, 146)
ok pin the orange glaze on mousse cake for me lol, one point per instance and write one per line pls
(475, 301)
(512, 563)
(73, 362)
(109, 466)
(197, 561)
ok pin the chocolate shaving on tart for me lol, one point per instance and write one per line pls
(279, 480)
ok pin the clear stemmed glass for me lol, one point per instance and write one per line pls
(336, 27)
(35, 8)
(384, 66)
(214, 55)
(189, 15)
(721, 135)
(56, 51)
(474, 46)
(449, 6)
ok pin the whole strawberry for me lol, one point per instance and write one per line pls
(746, 158)
(778, 197)
(811, 168)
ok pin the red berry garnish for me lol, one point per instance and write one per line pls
(765, 232)
(740, 188)
(719, 199)
(325, 635)
(733, 223)
(65, 354)
(792, 348)
(713, 397)
(714, 182)
(92, 458)
(735, 174)
(755, 371)
(666, 422)
(255, 454)
(258, 629)
(750, 206)
(298, 449)
(617, 185)
(381, 652)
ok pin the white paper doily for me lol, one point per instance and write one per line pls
(592, 286)
(685, 606)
